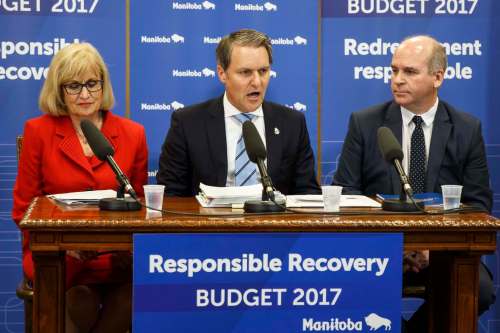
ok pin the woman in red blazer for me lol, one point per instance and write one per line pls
(56, 158)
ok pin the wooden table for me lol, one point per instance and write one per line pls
(456, 242)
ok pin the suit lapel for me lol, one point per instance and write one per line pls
(394, 122)
(216, 136)
(69, 144)
(274, 133)
(440, 133)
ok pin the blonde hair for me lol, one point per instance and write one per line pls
(70, 62)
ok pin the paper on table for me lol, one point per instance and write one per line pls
(217, 192)
(82, 198)
(233, 196)
(316, 200)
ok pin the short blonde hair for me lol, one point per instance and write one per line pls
(70, 62)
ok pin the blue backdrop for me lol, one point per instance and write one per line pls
(329, 62)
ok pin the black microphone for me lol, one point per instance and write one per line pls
(257, 154)
(104, 151)
(392, 153)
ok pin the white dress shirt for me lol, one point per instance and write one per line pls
(233, 133)
(409, 126)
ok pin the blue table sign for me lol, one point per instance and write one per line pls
(267, 282)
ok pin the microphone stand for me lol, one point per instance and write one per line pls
(268, 203)
(404, 204)
(263, 206)
(120, 203)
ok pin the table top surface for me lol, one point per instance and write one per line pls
(46, 214)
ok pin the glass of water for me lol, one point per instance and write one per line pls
(451, 196)
(331, 198)
(154, 196)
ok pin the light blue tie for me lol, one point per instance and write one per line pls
(244, 171)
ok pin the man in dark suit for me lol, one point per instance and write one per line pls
(204, 142)
(441, 145)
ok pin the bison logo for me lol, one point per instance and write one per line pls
(176, 105)
(177, 38)
(270, 7)
(374, 322)
(300, 40)
(299, 106)
(208, 5)
(207, 72)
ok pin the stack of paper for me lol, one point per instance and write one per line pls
(316, 200)
(83, 198)
(214, 196)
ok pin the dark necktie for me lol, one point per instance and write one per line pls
(417, 157)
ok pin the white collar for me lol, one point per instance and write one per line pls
(427, 117)
(230, 110)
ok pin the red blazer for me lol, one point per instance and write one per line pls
(52, 161)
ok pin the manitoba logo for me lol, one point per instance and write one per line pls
(297, 40)
(273, 73)
(161, 106)
(175, 38)
(332, 325)
(205, 72)
(205, 5)
(374, 322)
(255, 7)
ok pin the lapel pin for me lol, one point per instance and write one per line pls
(276, 131)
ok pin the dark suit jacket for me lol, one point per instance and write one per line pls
(52, 161)
(195, 150)
(457, 154)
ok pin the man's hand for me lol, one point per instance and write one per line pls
(415, 261)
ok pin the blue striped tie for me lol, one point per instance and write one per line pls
(244, 171)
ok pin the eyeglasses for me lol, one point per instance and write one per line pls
(75, 88)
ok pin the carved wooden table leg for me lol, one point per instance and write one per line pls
(49, 292)
(454, 290)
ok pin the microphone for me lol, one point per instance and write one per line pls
(104, 151)
(392, 153)
(257, 154)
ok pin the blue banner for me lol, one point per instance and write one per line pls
(280, 282)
